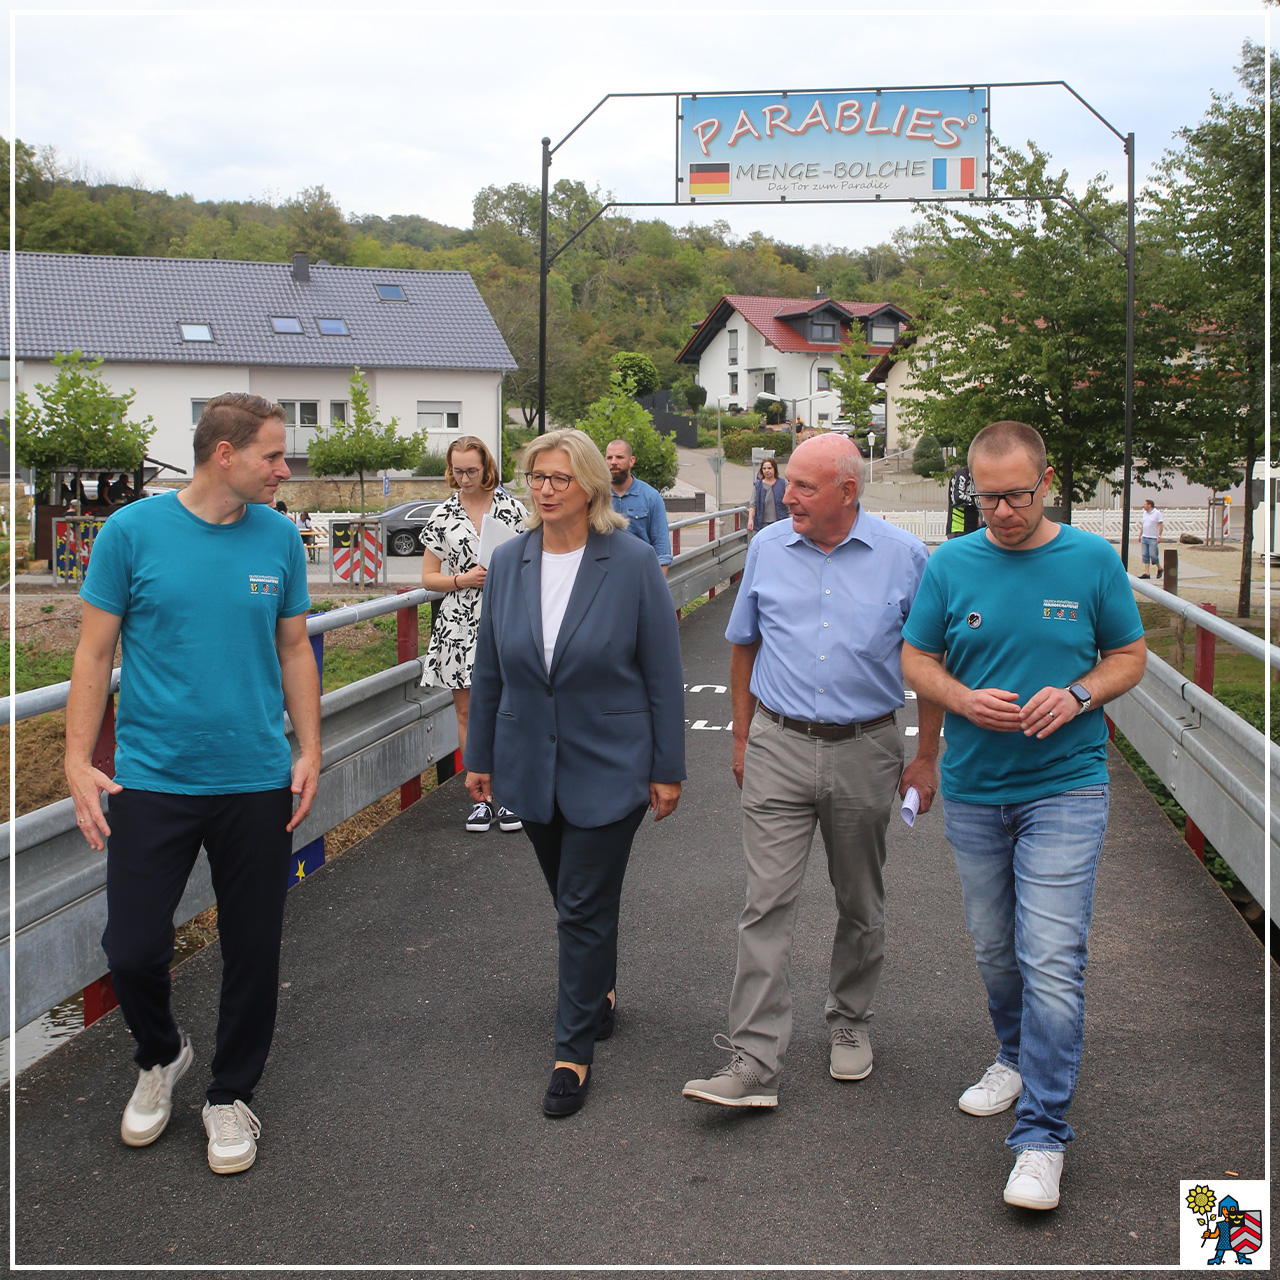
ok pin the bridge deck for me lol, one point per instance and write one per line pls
(400, 1104)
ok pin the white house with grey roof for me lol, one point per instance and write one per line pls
(180, 331)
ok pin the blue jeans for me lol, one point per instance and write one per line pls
(1151, 551)
(1027, 871)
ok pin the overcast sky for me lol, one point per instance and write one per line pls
(413, 111)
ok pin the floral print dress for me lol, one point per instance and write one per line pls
(450, 536)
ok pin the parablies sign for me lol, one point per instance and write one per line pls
(850, 144)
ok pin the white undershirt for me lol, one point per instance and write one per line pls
(558, 575)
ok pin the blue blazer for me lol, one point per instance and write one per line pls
(609, 717)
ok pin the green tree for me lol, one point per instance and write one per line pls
(849, 378)
(79, 423)
(316, 226)
(1209, 219)
(617, 416)
(70, 222)
(1033, 328)
(362, 443)
(640, 369)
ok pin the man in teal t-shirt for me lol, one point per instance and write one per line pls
(1022, 631)
(206, 590)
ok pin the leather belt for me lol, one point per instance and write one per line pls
(831, 732)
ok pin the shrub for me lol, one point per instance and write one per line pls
(728, 421)
(738, 446)
(617, 416)
(927, 458)
(706, 439)
(432, 464)
(772, 411)
(688, 392)
(640, 369)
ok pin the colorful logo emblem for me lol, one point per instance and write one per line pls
(1217, 1218)
(263, 584)
(974, 620)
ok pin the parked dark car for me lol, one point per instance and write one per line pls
(401, 525)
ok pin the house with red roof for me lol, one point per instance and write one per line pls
(785, 347)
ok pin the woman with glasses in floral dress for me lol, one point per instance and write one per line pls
(451, 563)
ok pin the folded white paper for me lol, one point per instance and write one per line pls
(910, 806)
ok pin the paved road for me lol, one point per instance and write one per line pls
(401, 1101)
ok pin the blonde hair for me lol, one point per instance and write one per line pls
(589, 470)
(488, 468)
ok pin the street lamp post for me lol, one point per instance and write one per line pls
(871, 443)
(729, 395)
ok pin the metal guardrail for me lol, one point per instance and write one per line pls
(376, 734)
(1243, 640)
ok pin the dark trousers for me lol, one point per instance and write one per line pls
(584, 868)
(155, 837)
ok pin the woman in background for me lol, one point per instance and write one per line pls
(451, 563)
(766, 497)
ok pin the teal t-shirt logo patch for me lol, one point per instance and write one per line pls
(262, 584)
(1061, 609)
(974, 620)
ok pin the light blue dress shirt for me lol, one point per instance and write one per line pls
(647, 516)
(829, 623)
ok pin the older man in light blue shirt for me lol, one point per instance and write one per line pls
(816, 680)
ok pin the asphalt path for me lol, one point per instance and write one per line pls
(400, 1106)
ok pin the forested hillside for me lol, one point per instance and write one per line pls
(625, 285)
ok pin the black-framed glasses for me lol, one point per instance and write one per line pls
(466, 473)
(1014, 497)
(537, 479)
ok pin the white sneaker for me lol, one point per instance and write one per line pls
(149, 1109)
(1033, 1184)
(232, 1128)
(508, 821)
(995, 1092)
(481, 817)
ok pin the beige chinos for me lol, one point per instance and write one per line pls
(792, 783)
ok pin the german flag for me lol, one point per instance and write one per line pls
(708, 179)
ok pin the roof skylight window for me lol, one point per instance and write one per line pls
(196, 332)
(390, 292)
(286, 324)
(333, 328)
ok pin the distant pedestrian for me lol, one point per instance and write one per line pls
(1152, 532)
(451, 563)
(963, 515)
(206, 590)
(766, 497)
(641, 503)
(1022, 633)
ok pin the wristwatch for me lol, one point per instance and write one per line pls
(1081, 695)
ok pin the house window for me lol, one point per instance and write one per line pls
(390, 292)
(301, 413)
(439, 415)
(884, 335)
(286, 324)
(197, 411)
(733, 348)
(824, 379)
(196, 332)
(822, 331)
(333, 328)
(771, 383)
(337, 412)
(733, 384)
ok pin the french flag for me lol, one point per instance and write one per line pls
(954, 175)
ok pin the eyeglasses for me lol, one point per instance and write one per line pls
(466, 473)
(1014, 498)
(536, 480)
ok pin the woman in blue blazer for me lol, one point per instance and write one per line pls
(577, 709)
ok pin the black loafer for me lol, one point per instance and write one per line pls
(564, 1093)
(608, 1020)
